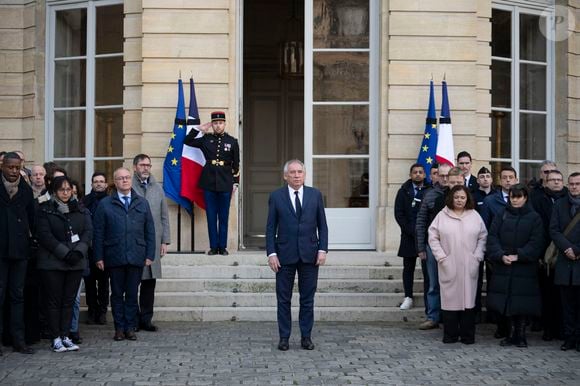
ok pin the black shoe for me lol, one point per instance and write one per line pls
(223, 252)
(130, 335)
(147, 327)
(547, 336)
(500, 333)
(450, 340)
(75, 337)
(283, 345)
(507, 341)
(568, 345)
(467, 340)
(119, 336)
(23, 349)
(306, 344)
(212, 252)
(101, 319)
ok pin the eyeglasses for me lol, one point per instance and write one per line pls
(123, 178)
(555, 180)
(65, 190)
(549, 171)
(144, 165)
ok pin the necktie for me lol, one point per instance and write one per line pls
(126, 203)
(297, 204)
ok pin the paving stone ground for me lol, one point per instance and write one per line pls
(234, 353)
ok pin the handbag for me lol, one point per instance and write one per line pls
(552, 251)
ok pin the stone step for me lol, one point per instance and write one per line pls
(335, 314)
(269, 285)
(225, 299)
(264, 272)
(364, 258)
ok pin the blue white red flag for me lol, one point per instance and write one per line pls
(428, 149)
(445, 149)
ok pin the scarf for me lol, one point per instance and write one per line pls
(62, 207)
(555, 195)
(574, 204)
(11, 187)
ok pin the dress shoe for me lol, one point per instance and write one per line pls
(223, 252)
(75, 338)
(130, 335)
(283, 345)
(567, 345)
(147, 327)
(101, 319)
(306, 344)
(119, 336)
(448, 340)
(428, 325)
(212, 252)
(23, 349)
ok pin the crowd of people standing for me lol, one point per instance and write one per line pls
(55, 238)
(524, 239)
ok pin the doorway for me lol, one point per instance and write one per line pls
(273, 110)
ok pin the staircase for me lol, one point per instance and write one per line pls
(352, 286)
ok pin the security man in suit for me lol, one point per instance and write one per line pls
(464, 163)
(219, 178)
(296, 240)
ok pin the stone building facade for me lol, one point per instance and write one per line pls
(92, 83)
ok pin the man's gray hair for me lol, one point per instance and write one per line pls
(293, 161)
(121, 168)
(548, 162)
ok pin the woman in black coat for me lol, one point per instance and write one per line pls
(64, 232)
(514, 246)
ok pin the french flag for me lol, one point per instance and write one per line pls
(445, 150)
(192, 159)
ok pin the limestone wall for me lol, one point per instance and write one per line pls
(22, 78)
(572, 136)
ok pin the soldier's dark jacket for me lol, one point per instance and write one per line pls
(222, 160)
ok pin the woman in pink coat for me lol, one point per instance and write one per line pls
(457, 237)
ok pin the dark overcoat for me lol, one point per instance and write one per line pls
(16, 222)
(566, 271)
(406, 210)
(53, 232)
(514, 289)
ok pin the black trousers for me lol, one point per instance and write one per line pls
(60, 290)
(551, 305)
(459, 324)
(12, 279)
(97, 291)
(571, 312)
(32, 292)
(409, 264)
(146, 300)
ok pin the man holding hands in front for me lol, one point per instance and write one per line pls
(296, 240)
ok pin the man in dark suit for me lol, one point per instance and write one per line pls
(296, 240)
(464, 163)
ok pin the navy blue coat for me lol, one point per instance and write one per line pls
(123, 237)
(493, 205)
(406, 210)
(294, 239)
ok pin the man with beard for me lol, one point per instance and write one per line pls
(543, 203)
(97, 282)
(407, 206)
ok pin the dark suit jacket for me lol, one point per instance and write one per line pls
(472, 185)
(294, 239)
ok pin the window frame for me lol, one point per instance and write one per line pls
(89, 158)
(516, 8)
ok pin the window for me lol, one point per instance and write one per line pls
(84, 99)
(521, 95)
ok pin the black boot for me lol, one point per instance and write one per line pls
(511, 332)
(521, 340)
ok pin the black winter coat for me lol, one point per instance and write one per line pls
(54, 231)
(514, 289)
(566, 271)
(543, 203)
(16, 222)
(406, 210)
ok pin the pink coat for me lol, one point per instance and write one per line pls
(458, 244)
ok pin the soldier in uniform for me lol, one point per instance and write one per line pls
(219, 178)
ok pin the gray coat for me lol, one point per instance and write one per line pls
(156, 198)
